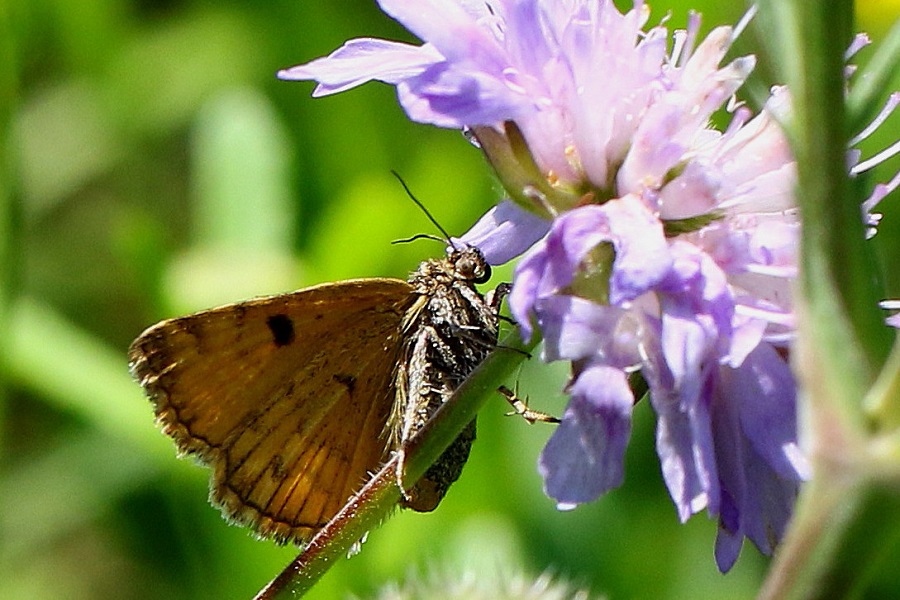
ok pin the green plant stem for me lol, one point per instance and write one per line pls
(380, 495)
(848, 517)
(364, 511)
(842, 341)
(842, 328)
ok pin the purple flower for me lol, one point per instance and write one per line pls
(672, 314)
(654, 244)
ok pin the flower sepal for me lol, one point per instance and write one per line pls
(514, 164)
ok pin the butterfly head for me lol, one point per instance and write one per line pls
(469, 264)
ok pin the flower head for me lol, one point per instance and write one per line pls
(655, 245)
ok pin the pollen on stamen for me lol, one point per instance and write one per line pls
(572, 157)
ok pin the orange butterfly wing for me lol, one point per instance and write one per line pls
(285, 397)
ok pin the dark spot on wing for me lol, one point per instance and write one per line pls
(282, 329)
(349, 381)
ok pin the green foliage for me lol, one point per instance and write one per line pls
(153, 165)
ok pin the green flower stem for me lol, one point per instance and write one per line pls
(380, 495)
(842, 345)
(838, 541)
(843, 327)
(363, 512)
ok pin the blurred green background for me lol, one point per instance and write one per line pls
(153, 166)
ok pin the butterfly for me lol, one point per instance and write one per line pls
(294, 400)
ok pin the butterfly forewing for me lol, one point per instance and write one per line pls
(291, 430)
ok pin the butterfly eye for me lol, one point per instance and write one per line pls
(482, 273)
(473, 268)
(465, 267)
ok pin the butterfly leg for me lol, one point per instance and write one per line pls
(435, 370)
(494, 298)
(520, 407)
(418, 373)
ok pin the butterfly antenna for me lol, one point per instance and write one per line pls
(424, 210)
(419, 236)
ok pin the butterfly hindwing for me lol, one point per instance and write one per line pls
(285, 397)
